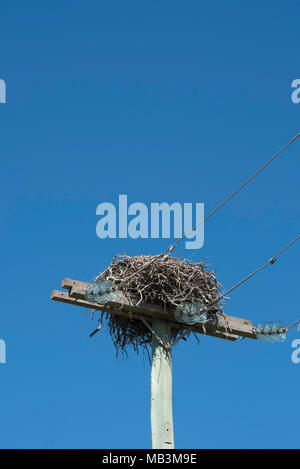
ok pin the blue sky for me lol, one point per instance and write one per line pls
(162, 101)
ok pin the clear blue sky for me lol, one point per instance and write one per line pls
(163, 101)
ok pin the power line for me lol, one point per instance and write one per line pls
(234, 193)
(270, 261)
(293, 325)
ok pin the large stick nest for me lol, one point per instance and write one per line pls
(168, 281)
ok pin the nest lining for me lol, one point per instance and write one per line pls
(168, 282)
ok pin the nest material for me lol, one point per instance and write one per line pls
(168, 281)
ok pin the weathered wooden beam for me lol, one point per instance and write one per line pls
(68, 283)
(64, 297)
(226, 324)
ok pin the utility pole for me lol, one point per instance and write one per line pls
(162, 323)
(161, 387)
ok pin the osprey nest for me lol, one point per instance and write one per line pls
(169, 282)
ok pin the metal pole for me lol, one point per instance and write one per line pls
(161, 388)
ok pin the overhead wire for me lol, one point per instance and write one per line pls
(270, 261)
(227, 199)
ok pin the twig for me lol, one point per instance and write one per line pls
(96, 330)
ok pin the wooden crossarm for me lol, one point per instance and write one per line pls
(64, 297)
(242, 327)
(228, 329)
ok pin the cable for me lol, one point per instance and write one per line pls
(270, 261)
(244, 184)
(236, 191)
(293, 325)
